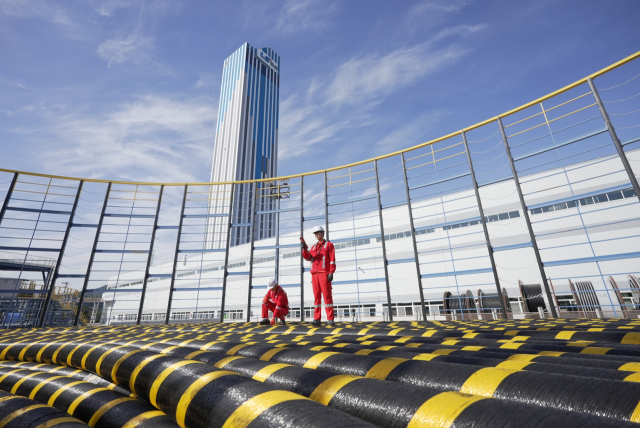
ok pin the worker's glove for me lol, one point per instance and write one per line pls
(273, 321)
(330, 277)
(303, 245)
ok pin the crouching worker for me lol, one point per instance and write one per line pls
(275, 301)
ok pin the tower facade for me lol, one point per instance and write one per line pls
(246, 143)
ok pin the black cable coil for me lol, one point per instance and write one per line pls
(532, 297)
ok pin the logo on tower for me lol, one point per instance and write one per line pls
(271, 63)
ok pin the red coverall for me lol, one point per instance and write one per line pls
(323, 258)
(275, 301)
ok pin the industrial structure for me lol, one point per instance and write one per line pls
(530, 214)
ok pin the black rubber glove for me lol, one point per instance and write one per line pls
(330, 277)
(303, 245)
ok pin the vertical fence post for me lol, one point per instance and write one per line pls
(484, 227)
(413, 238)
(93, 254)
(525, 213)
(47, 301)
(175, 257)
(146, 272)
(225, 270)
(253, 233)
(5, 204)
(326, 206)
(301, 258)
(384, 247)
(614, 137)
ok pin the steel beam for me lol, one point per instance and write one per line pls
(614, 137)
(525, 213)
(413, 238)
(93, 253)
(253, 233)
(326, 206)
(484, 227)
(56, 270)
(175, 256)
(146, 272)
(384, 247)
(5, 204)
(225, 273)
(301, 258)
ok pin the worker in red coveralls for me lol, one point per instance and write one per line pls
(323, 264)
(275, 301)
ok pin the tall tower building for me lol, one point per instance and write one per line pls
(246, 146)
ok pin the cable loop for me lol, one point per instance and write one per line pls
(479, 141)
(617, 86)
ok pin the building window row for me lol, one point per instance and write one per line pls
(598, 199)
(488, 219)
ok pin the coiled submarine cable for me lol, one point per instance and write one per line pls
(390, 404)
(194, 394)
(612, 398)
(20, 412)
(68, 372)
(92, 404)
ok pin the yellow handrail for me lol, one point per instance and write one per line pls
(388, 155)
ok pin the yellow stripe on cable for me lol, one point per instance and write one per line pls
(139, 367)
(263, 374)
(192, 390)
(18, 383)
(11, 416)
(484, 382)
(103, 356)
(59, 391)
(328, 388)
(35, 390)
(270, 353)
(316, 360)
(86, 354)
(254, 407)
(102, 410)
(143, 417)
(382, 368)
(58, 421)
(4, 376)
(116, 366)
(442, 410)
(166, 372)
(223, 362)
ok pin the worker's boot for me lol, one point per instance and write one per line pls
(281, 321)
(265, 321)
(315, 322)
(330, 323)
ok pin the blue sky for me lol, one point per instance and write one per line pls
(129, 89)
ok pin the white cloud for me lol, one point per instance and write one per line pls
(438, 5)
(367, 78)
(298, 15)
(108, 7)
(153, 138)
(43, 11)
(131, 49)
(331, 107)
(409, 134)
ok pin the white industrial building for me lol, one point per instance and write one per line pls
(586, 223)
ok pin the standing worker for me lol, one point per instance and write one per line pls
(275, 301)
(323, 264)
